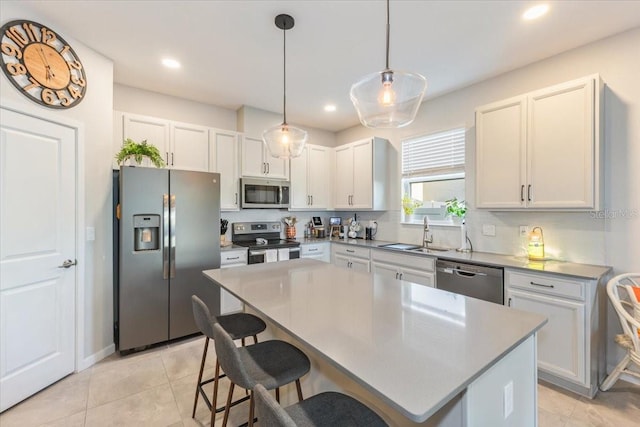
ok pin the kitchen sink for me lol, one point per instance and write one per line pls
(414, 248)
(429, 250)
(400, 246)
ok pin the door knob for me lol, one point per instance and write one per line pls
(68, 263)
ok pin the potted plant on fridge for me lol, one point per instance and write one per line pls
(139, 150)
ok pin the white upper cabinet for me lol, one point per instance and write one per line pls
(183, 146)
(310, 174)
(343, 181)
(258, 162)
(142, 128)
(223, 158)
(501, 153)
(541, 150)
(189, 147)
(361, 174)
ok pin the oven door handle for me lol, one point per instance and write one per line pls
(294, 249)
(263, 252)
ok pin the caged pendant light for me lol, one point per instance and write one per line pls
(285, 141)
(388, 99)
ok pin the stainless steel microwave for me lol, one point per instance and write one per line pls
(264, 193)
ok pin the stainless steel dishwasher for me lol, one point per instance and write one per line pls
(476, 281)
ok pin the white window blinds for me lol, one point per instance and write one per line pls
(433, 154)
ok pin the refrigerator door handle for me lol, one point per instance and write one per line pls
(165, 236)
(172, 237)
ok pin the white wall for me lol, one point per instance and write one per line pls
(95, 113)
(139, 101)
(577, 237)
(254, 121)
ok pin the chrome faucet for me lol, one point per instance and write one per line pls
(425, 234)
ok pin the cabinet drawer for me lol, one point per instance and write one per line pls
(233, 257)
(418, 262)
(351, 251)
(547, 284)
(313, 249)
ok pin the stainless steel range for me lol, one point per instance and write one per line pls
(264, 241)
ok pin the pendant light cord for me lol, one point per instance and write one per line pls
(388, 32)
(284, 82)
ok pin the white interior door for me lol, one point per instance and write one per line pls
(37, 219)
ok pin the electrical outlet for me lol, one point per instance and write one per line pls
(488, 230)
(508, 399)
(524, 230)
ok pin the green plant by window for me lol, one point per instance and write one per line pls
(456, 207)
(138, 150)
(409, 204)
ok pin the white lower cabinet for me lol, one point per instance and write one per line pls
(316, 250)
(229, 259)
(416, 269)
(568, 347)
(356, 258)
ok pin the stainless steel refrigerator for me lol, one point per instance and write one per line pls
(168, 232)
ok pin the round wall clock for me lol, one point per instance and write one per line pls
(42, 65)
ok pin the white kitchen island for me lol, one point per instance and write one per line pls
(416, 354)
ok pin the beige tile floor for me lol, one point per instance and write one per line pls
(156, 388)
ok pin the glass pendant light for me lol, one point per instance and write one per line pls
(388, 99)
(285, 141)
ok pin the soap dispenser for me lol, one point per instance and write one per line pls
(536, 244)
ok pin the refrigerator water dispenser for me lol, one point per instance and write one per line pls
(146, 232)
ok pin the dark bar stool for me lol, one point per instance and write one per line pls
(326, 409)
(238, 326)
(271, 363)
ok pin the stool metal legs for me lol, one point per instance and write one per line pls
(216, 378)
(252, 404)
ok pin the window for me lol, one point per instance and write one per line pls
(432, 172)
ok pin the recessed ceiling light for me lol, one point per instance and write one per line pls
(330, 108)
(170, 63)
(535, 12)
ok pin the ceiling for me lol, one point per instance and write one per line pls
(231, 51)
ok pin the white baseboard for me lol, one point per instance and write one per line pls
(91, 360)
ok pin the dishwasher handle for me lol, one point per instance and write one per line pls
(460, 272)
(465, 273)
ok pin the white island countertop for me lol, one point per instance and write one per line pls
(415, 347)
